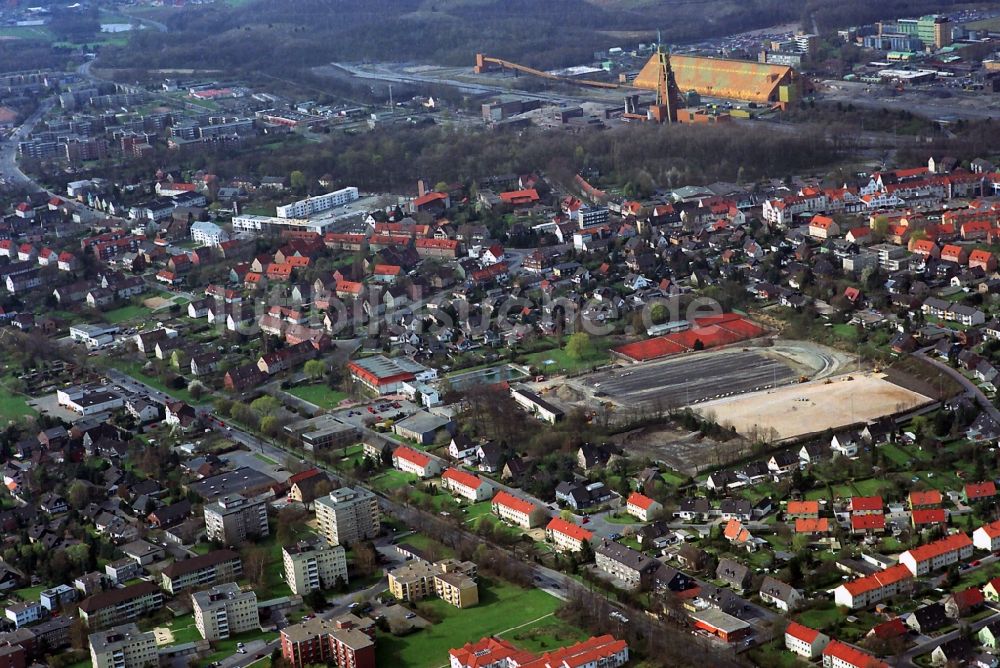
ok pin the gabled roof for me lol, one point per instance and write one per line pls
(640, 500)
(559, 525)
(508, 500)
(947, 544)
(800, 632)
(462, 478)
(981, 490)
(412, 456)
(866, 503)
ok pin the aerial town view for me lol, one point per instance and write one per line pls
(499, 334)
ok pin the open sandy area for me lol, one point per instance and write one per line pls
(163, 635)
(156, 302)
(806, 408)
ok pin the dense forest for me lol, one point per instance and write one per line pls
(644, 157)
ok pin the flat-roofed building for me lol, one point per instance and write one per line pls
(314, 564)
(123, 647)
(348, 515)
(224, 611)
(215, 567)
(323, 431)
(233, 519)
(451, 580)
(348, 642)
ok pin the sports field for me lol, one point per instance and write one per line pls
(806, 408)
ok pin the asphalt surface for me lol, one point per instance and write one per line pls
(679, 382)
(972, 391)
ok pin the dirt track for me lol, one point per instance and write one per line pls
(806, 408)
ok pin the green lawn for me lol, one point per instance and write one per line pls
(985, 24)
(820, 617)
(545, 635)
(895, 454)
(265, 459)
(13, 406)
(183, 628)
(132, 312)
(502, 607)
(320, 395)
(392, 479)
(424, 542)
(558, 361)
(30, 593)
(620, 518)
(846, 332)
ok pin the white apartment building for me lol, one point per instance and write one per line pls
(123, 647)
(517, 511)
(937, 555)
(314, 564)
(348, 515)
(987, 537)
(224, 611)
(419, 464)
(208, 234)
(311, 205)
(468, 486)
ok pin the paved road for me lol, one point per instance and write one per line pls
(972, 391)
(8, 149)
(929, 644)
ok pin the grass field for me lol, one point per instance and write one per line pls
(985, 24)
(821, 616)
(558, 361)
(392, 479)
(124, 313)
(502, 609)
(846, 332)
(13, 406)
(320, 395)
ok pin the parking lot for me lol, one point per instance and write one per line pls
(691, 379)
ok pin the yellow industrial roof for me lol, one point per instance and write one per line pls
(717, 77)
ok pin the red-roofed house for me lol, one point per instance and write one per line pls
(985, 260)
(604, 651)
(953, 253)
(866, 505)
(874, 523)
(466, 485)
(488, 653)
(806, 509)
(930, 499)
(419, 464)
(386, 273)
(979, 491)
(642, 507)
(859, 235)
(804, 641)
(432, 201)
(991, 590)
(965, 602)
(566, 536)
(823, 227)
(937, 555)
(874, 588)
(925, 248)
(987, 537)
(812, 526)
(894, 628)
(839, 655)
(520, 197)
(517, 511)
(928, 517)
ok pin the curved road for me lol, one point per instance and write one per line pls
(971, 389)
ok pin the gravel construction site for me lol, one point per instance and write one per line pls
(693, 378)
(807, 408)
